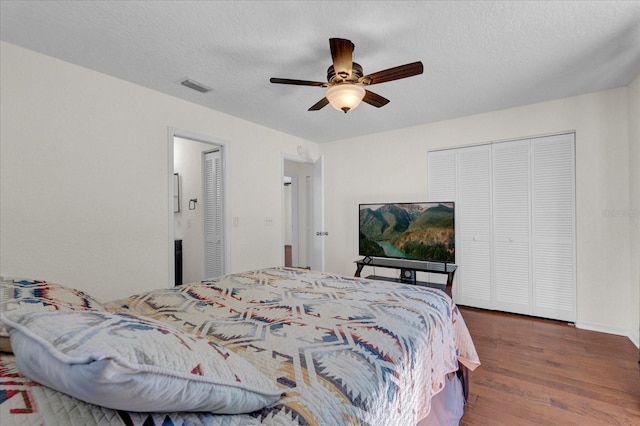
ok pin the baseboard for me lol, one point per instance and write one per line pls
(633, 336)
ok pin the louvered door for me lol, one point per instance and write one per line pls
(473, 228)
(213, 244)
(515, 223)
(553, 223)
(441, 169)
(512, 286)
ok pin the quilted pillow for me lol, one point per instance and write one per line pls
(36, 296)
(134, 363)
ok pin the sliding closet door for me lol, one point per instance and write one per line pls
(553, 221)
(473, 229)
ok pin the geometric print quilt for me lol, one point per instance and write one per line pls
(344, 351)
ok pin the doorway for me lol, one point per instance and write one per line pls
(198, 232)
(303, 214)
(296, 211)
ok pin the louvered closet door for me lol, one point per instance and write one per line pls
(512, 286)
(553, 225)
(213, 243)
(441, 175)
(473, 229)
(441, 178)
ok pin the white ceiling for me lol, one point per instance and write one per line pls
(478, 56)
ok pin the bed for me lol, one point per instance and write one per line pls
(308, 348)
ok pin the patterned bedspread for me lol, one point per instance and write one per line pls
(344, 350)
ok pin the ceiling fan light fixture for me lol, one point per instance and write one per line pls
(345, 97)
(346, 81)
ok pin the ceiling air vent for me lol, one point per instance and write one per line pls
(195, 85)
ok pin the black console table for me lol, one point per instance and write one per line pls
(408, 269)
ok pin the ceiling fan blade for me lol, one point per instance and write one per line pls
(342, 56)
(319, 105)
(395, 73)
(297, 82)
(374, 99)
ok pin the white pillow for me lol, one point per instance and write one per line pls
(133, 363)
(26, 295)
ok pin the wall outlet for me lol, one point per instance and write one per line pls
(236, 221)
(268, 221)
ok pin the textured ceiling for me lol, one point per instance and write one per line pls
(478, 56)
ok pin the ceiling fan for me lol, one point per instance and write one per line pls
(346, 82)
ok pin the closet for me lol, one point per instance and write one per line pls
(515, 223)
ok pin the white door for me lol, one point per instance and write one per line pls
(511, 200)
(441, 186)
(441, 170)
(213, 231)
(318, 233)
(473, 230)
(515, 224)
(553, 226)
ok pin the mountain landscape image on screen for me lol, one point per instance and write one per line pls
(422, 231)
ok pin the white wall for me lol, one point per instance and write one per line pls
(84, 177)
(634, 200)
(392, 167)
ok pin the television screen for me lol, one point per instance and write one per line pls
(419, 231)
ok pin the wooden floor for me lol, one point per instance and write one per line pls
(542, 372)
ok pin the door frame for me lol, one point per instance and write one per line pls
(224, 152)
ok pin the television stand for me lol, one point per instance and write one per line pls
(408, 269)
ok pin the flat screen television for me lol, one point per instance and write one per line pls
(418, 231)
